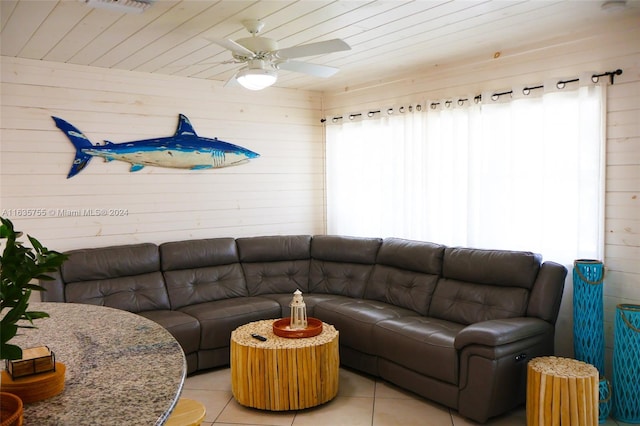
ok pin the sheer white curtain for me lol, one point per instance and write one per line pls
(526, 174)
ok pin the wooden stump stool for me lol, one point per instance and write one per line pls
(187, 412)
(281, 373)
(562, 391)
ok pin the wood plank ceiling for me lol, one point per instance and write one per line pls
(389, 38)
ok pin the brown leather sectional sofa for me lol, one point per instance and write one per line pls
(455, 325)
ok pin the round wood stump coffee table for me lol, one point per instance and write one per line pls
(562, 391)
(281, 373)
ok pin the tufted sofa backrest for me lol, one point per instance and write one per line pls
(125, 277)
(275, 264)
(406, 273)
(198, 271)
(341, 265)
(463, 285)
(480, 285)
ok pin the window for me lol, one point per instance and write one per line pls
(521, 174)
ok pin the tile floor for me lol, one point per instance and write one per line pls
(361, 401)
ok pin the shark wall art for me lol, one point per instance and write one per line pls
(184, 150)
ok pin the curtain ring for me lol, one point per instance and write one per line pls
(401, 109)
(410, 108)
(370, 114)
(390, 111)
(447, 104)
(418, 107)
(335, 119)
(560, 84)
(461, 102)
(595, 78)
(526, 91)
(434, 105)
(495, 97)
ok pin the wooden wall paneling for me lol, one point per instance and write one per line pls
(280, 192)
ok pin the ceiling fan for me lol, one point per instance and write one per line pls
(263, 57)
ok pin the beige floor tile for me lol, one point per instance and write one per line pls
(517, 417)
(213, 400)
(355, 384)
(229, 424)
(355, 405)
(341, 411)
(218, 379)
(409, 412)
(388, 390)
(237, 414)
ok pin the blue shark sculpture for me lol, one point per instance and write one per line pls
(184, 150)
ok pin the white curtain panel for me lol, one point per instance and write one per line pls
(521, 173)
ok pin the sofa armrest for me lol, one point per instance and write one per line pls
(493, 363)
(54, 289)
(500, 331)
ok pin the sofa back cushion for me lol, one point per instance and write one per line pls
(199, 271)
(275, 264)
(125, 277)
(203, 253)
(341, 265)
(494, 267)
(480, 285)
(406, 273)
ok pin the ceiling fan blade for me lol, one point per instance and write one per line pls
(231, 81)
(312, 49)
(307, 68)
(236, 48)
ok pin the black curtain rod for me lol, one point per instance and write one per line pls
(478, 98)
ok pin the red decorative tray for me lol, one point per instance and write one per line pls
(281, 328)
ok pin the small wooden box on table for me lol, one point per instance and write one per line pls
(562, 391)
(282, 373)
(34, 361)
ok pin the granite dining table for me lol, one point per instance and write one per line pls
(121, 368)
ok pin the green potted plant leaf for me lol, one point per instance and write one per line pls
(19, 265)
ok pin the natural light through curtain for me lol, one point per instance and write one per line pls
(525, 174)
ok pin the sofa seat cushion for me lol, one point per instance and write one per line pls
(422, 344)
(184, 328)
(356, 318)
(219, 318)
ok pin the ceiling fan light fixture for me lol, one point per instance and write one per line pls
(263, 58)
(256, 78)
